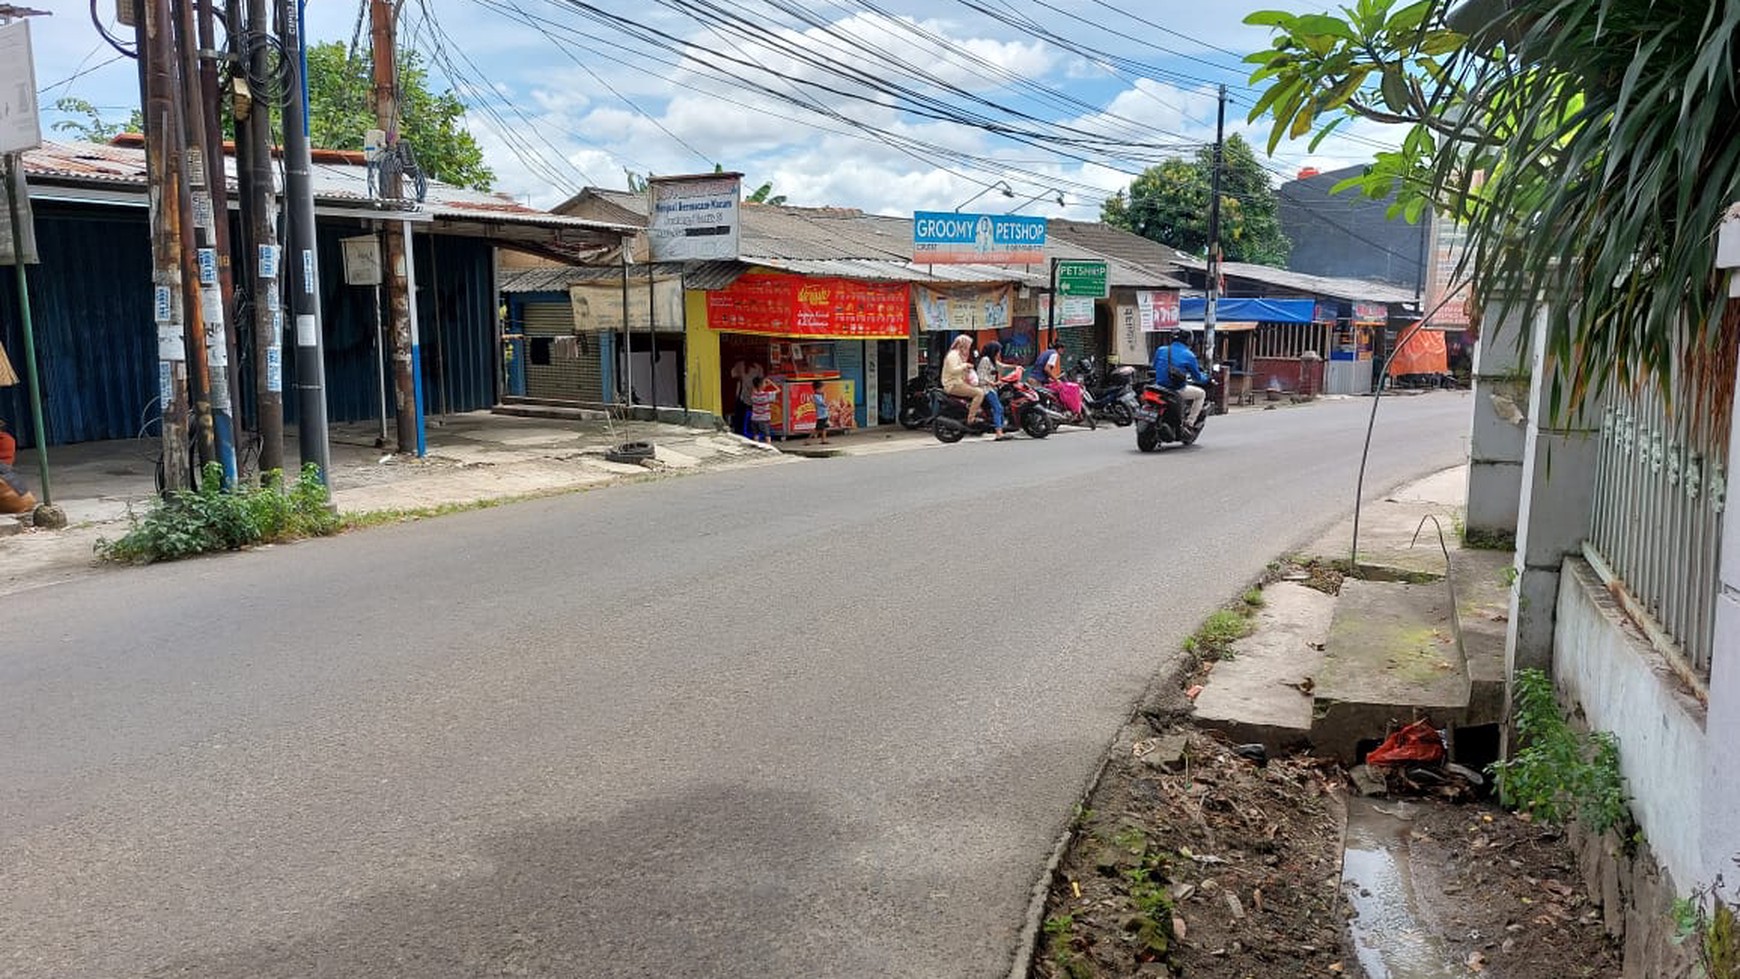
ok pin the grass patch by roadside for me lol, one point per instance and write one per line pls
(212, 518)
(1488, 540)
(1213, 639)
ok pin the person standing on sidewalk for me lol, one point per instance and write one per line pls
(820, 397)
(748, 379)
(761, 411)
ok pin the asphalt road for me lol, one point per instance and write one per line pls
(821, 719)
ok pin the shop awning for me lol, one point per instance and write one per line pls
(1252, 310)
(1223, 326)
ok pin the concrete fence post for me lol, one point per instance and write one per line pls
(1557, 475)
(1721, 803)
(1501, 390)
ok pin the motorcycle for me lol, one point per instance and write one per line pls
(1021, 407)
(915, 402)
(1057, 399)
(1115, 400)
(1160, 417)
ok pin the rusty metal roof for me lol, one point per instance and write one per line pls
(336, 183)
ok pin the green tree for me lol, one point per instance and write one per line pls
(93, 128)
(1588, 149)
(1169, 202)
(433, 123)
(341, 110)
(765, 195)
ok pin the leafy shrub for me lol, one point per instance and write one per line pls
(190, 522)
(1560, 774)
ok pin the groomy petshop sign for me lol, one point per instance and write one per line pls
(942, 237)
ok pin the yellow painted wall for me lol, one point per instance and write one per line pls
(703, 353)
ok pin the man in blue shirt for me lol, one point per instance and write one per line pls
(1178, 354)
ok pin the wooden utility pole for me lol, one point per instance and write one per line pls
(261, 256)
(163, 140)
(1212, 304)
(386, 92)
(202, 297)
(304, 264)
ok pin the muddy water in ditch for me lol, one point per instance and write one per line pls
(1390, 936)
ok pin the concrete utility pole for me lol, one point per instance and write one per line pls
(211, 219)
(386, 91)
(202, 300)
(261, 254)
(304, 260)
(1210, 310)
(163, 174)
(220, 194)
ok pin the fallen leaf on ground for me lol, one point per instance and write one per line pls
(1476, 961)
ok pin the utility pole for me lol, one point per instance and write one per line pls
(1213, 295)
(21, 242)
(203, 173)
(261, 256)
(208, 55)
(386, 95)
(304, 264)
(163, 173)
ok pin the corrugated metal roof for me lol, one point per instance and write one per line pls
(557, 278)
(1353, 290)
(888, 270)
(1131, 249)
(334, 183)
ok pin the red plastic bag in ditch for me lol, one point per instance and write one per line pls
(1416, 744)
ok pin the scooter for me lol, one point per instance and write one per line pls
(1057, 400)
(1160, 417)
(1020, 407)
(1115, 400)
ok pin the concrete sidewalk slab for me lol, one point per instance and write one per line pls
(1398, 534)
(1256, 695)
(1392, 656)
(1482, 582)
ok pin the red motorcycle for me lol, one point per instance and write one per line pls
(1021, 407)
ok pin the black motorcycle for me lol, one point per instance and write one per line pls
(916, 409)
(1112, 398)
(1160, 417)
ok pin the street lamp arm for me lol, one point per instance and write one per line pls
(1008, 191)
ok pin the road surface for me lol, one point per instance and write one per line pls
(821, 719)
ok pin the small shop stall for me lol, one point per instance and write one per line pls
(802, 329)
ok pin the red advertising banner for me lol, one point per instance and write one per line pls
(799, 306)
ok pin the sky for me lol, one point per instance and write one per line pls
(565, 94)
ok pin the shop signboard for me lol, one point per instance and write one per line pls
(1157, 310)
(598, 305)
(20, 127)
(964, 310)
(1326, 312)
(693, 218)
(804, 306)
(1082, 277)
(943, 237)
(1371, 314)
(1132, 347)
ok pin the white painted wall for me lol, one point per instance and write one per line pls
(1624, 686)
(1722, 800)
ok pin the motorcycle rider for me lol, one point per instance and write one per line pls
(1178, 355)
(954, 381)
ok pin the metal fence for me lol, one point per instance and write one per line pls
(1660, 488)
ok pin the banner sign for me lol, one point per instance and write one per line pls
(942, 238)
(693, 218)
(964, 310)
(1071, 311)
(801, 306)
(1326, 312)
(1157, 310)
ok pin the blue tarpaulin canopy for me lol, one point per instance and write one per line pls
(1260, 310)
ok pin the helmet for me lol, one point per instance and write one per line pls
(1181, 336)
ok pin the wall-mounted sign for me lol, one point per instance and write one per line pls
(693, 219)
(803, 306)
(1071, 311)
(1082, 278)
(943, 237)
(1157, 310)
(1371, 313)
